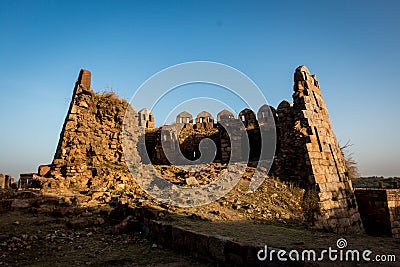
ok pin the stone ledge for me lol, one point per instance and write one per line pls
(218, 249)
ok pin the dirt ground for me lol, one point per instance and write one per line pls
(27, 239)
(287, 237)
(52, 230)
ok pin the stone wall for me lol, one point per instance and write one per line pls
(309, 154)
(380, 210)
(25, 180)
(6, 181)
(189, 138)
(145, 118)
(89, 154)
(187, 142)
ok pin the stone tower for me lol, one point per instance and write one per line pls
(324, 161)
(309, 153)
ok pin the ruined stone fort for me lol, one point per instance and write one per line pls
(90, 155)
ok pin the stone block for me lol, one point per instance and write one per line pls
(22, 203)
(178, 238)
(236, 253)
(189, 241)
(43, 170)
(2, 181)
(202, 245)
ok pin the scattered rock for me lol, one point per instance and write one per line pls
(129, 224)
(192, 181)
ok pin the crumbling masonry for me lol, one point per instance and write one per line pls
(308, 150)
(90, 156)
(6, 181)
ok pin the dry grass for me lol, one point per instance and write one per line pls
(351, 164)
(288, 237)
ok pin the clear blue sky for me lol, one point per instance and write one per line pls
(352, 46)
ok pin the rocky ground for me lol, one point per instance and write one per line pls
(77, 239)
(274, 200)
(99, 228)
(63, 228)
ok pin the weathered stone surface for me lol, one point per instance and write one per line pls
(309, 154)
(44, 170)
(225, 115)
(145, 118)
(192, 181)
(184, 117)
(89, 153)
(90, 157)
(216, 246)
(21, 203)
(129, 224)
(2, 181)
(204, 120)
(380, 210)
(6, 182)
